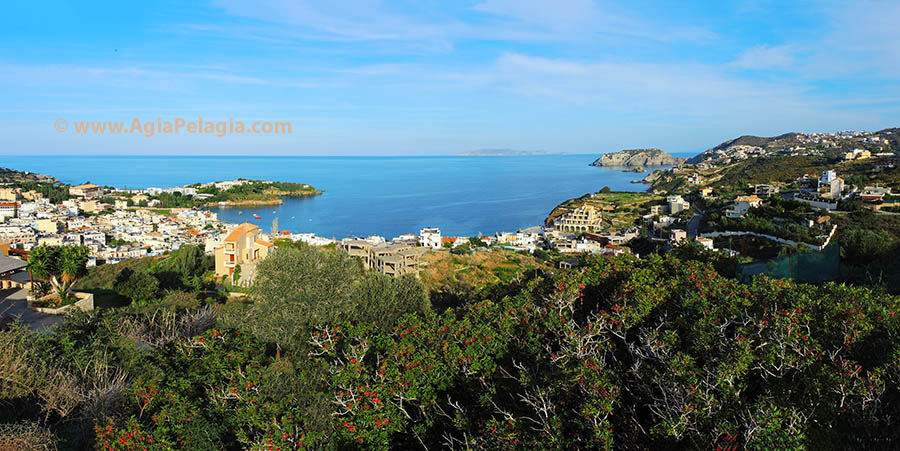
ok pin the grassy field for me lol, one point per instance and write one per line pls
(485, 266)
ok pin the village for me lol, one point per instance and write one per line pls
(689, 203)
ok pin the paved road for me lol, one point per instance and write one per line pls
(12, 305)
(694, 223)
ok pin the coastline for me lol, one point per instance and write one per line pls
(263, 202)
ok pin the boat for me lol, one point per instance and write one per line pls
(240, 212)
(257, 217)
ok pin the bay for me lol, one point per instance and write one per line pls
(363, 196)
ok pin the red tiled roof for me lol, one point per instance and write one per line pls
(240, 230)
(264, 243)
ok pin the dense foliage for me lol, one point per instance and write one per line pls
(658, 353)
(869, 247)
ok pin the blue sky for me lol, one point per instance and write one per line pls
(366, 77)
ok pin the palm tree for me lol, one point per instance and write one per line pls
(60, 265)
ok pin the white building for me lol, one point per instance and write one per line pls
(826, 178)
(677, 204)
(706, 242)
(430, 237)
(8, 210)
(743, 204)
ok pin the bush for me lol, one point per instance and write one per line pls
(139, 286)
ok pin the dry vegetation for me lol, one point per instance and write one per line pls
(480, 268)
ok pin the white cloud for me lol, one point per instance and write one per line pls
(763, 57)
(423, 25)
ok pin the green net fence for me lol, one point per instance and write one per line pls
(808, 267)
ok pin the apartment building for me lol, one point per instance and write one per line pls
(582, 219)
(677, 204)
(242, 247)
(87, 191)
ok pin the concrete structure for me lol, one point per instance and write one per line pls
(742, 204)
(430, 237)
(677, 236)
(836, 188)
(874, 193)
(50, 226)
(706, 192)
(393, 259)
(87, 191)
(817, 202)
(242, 246)
(677, 204)
(764, 190)
(586, 218)
(10, 194)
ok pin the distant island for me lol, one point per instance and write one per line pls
(505, 153)
(632, 158)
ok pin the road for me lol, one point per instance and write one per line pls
(13, 305)
(694, 223)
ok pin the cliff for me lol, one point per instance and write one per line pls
(637, 157)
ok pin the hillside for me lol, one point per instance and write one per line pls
(622, 209)
(816, 144)
(13, 176)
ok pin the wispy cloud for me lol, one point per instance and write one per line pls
(763, 57)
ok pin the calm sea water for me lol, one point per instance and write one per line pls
(386, 196)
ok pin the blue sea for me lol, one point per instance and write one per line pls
(386, 196)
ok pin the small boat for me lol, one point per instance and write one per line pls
(240, 212)
(257, 217)
(292, 217)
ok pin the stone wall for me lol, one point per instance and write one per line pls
(85, 303)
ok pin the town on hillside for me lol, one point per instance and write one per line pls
(747, 201)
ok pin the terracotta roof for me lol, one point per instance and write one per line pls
(9, 204)
(86, 186)
(264, 243)
(240, 230)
